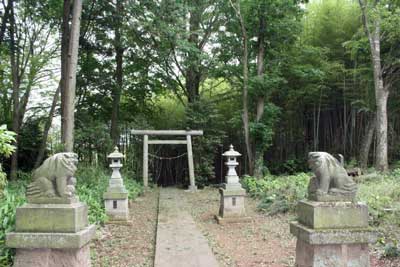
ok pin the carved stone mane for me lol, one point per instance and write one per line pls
(331, 182)
(53, 181)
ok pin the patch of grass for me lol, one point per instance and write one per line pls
(382, 195)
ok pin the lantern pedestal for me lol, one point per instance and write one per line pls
(232, 195)
(231, 209)
(116, 204)
(116, 197)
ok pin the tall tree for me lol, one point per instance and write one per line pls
(386, 71)
(30, 53)
(68, 98)
(245, 61)
(119, 52)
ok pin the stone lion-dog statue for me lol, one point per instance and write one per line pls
(331, 181)
(54, 180)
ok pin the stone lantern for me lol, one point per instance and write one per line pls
(116, 197)
(232, 179)
(232, 194)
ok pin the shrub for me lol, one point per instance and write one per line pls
(277, 193)
(13, 197)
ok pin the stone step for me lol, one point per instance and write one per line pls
(179, 242)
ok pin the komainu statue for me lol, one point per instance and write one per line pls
(53, 181)
(331, 182)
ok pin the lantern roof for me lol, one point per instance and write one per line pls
(116, 154)
(231, 152)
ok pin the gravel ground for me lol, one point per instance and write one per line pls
(134, 245)
(265, 241)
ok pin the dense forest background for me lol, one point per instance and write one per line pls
(275, 78)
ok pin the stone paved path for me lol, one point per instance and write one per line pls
(179, 243)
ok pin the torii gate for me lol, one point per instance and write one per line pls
(188, 142)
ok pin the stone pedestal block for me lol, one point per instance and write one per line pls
(232, 205)
(116, 204)
(51, 218)
(331, 234)
(49, 235)
(334, 255)
(332, 215)
(53, 257)
(117, 209)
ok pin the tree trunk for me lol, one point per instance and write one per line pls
(258, 149)
(114, 132)
(64, 62)
(42, 148)
(381, 91)
(193, 74)
(245, 115)
(15, 94)
(366, 143)
(69, 94)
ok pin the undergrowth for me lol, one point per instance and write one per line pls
(279, 194)
(91, 184)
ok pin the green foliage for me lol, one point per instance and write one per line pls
(263, 131)
(392, 250)
(29, 141)
(382, 195)
(13, 197)
(6, 148)
(6, 140)
(290, 166)
(203, 114)
(92, 138)
(277, 193)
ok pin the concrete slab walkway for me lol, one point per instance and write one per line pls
(179, 243)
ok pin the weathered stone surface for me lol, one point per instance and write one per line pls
(53, 181)
(53, 257)
(117, 209)
(235, 192)
(333, 255)
(332, 215)
(49, 218)
(329, 236)
(232, 203)
(51, 240)
(233, 219)
(114, 194)
(331, 182)
(53, 200)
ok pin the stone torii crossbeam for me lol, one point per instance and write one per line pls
(187, 142)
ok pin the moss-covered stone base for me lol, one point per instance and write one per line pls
(62, 218)
(332, 215)
(51, 240)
